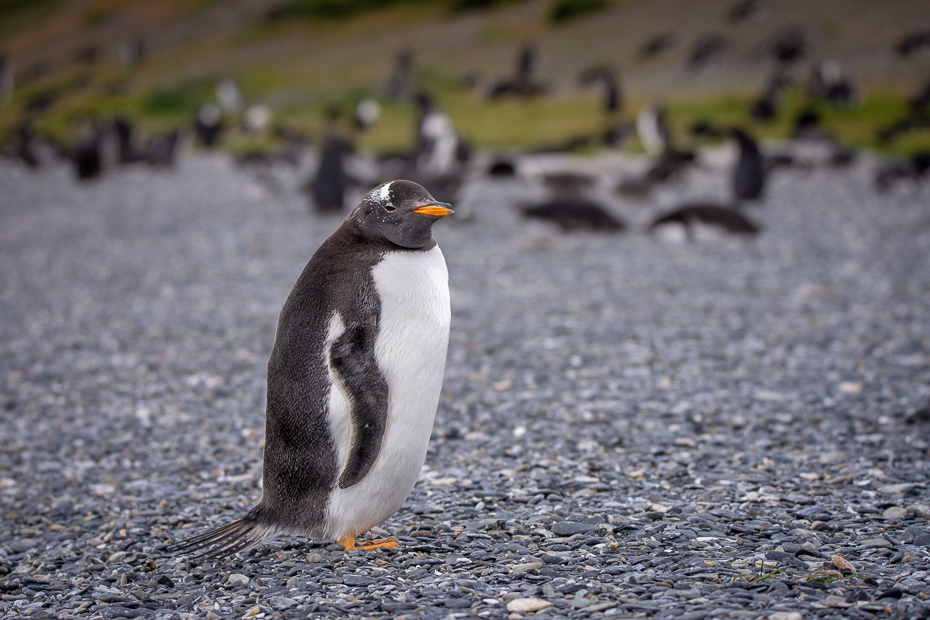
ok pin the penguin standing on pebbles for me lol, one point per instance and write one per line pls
(353, 380)
(749, 176)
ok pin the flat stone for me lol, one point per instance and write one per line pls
(833, 602)
(357, 580)
(281, 602)
(580, 602)
(118, 611)
(569, 528)
(875, 542)
(895, 489)
(527, 605)
(895, 513)
(525, 568)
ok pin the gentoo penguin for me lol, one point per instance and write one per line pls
(124, 137)
(573, 213)
(914, 43)
(788, 45)
(25, 142)
(568, 206)
(921, 415)
(612, 102)
(656, 44)
(708, 50)
(914, 167)
(746, 11)
(766, 107)
(652, 129)
(694, 217)
(353, 380)
(748, 177)
(328, 185)
(86, 153)
(208, 124)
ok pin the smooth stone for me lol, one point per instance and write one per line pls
(357, 580)
(527, 605)
(875, 542)
(525, 568)
(570, 528)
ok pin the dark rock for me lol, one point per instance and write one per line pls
(569, 528)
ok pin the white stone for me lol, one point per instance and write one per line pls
(526, 605)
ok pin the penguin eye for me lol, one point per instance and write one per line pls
(390, 208)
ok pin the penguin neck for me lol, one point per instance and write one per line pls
(351, 229)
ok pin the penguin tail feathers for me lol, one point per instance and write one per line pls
(240, 535)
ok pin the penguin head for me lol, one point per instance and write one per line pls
(401, 212)
(745, 141)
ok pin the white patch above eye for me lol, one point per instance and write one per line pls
(386, 192)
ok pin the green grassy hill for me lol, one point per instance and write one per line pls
(302, 56)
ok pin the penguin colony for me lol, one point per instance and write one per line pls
(353, 379)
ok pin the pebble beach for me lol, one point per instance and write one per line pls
(630, 427)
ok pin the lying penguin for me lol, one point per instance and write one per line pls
(701, 220)
(353, 380)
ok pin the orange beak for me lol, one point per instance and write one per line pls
(438, 209)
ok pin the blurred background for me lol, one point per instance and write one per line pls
(534, 74)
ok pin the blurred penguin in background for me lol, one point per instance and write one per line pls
(612, 100)
(829, 83)
(125, 137)
(229, 96)
(766, 106)
(652, 129)
(25, 144)
(208, 125)
(400, 85)
(524, 82)
(86, 153)
(7, 81)
(749, 176)
(367, 113)
(329, 183)
(441, 155)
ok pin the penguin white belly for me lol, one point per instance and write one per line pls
(410, 350)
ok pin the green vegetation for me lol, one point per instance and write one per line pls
(500, 124)
(94, 16)
(565, 10)
(164, 103)
(300, 91)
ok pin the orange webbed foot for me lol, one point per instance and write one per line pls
(379, 543)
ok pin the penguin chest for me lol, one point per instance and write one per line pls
(410, 351)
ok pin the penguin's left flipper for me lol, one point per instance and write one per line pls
(352, 356)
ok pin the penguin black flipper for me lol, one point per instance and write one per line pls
(353, 357)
